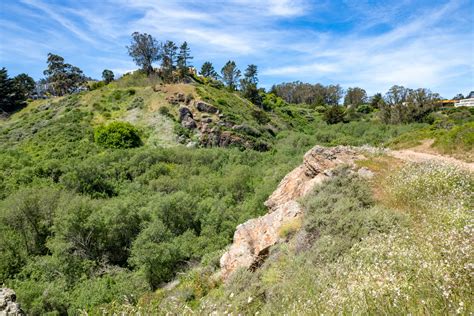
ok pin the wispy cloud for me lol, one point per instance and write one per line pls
(373, 45)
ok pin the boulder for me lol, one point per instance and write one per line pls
(8, 304)
(205, 107)
(253, 239)
(184, 113)
(179, 96)
(188, 123)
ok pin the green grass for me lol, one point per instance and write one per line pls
(364, 259)
(83, 227)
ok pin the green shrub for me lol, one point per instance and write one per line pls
(138, 102)
(117, 135)
(364, 108)
(165, 110)
(96, 85)
(334, 114)
(341, 212)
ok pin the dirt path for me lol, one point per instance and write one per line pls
(424, 153)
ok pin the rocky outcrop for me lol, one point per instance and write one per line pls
(205, 107)
(186, 118)
(8, 304)
(253, 238)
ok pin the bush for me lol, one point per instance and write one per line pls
(334, 115)
(117, 135)
(341, 212)
(364, 108)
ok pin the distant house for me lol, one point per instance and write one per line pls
(468, 101)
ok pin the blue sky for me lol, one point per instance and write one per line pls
(370, 44)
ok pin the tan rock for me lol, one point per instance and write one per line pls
(253, 238)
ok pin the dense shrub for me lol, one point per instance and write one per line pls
(334, 114)
(117, 135)
(341, 212)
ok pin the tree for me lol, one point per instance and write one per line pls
(144, 50)
(249, 85)
(7, 103)
(208, 71)
(458, 96)
(376, 100)
(355, 97)
(62, 78)
(396, 95)
(107, 76)
(14, 91)
(184, 56)
(230, 75)
(250, 75)
(333, 94)
(168, 59)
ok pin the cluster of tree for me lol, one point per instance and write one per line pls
(175, 63)
(298, 92)
(145, 50)
(404, 105)
(62, 78)
(14, 91)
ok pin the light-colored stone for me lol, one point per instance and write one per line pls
(253, 238)
(8, 304)
(365, 173)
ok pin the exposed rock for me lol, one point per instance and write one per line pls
(177, 98)
(253, 238)
(192, 145)
(365, 173)
(184, 112)
(8, 304)
(205, 107)
(186, 118)
(189, 123)
(207, 120)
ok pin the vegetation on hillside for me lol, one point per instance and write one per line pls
(101, 204)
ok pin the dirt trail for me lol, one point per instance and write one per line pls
(425, 153)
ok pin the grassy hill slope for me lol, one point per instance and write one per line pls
(84, 226)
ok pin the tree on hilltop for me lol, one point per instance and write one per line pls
(249, 85)
(208, 71)
(230, 75)
(184, 58)
(62, 78)
(108, 76)
(168, 59)
(144, 50)
(14, 91)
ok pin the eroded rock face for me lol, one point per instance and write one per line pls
(253, 238)
(8, 304)
(205, 107)
(186, 118)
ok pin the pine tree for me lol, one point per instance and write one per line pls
(249, 85)
(184, 56)
(230, 75)
(168, 58)
(208, 71)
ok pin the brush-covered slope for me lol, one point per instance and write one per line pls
(89, 221)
